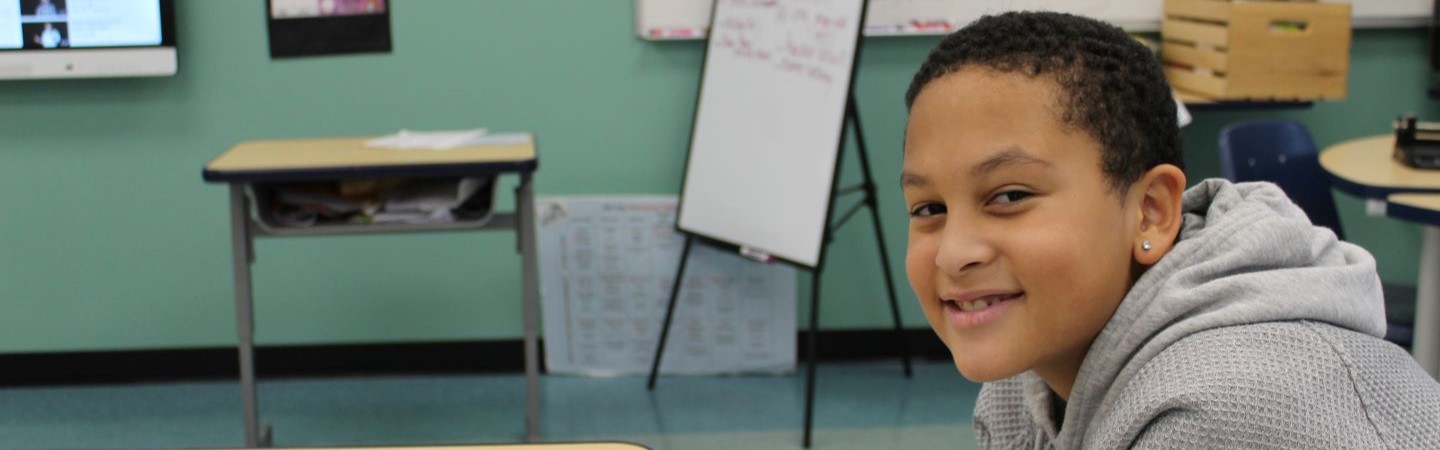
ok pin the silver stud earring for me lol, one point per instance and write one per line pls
(1145, 246)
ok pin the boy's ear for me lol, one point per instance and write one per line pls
(1159, 191)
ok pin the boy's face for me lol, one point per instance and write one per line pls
(1019, 249)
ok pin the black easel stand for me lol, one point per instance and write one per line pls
(852, 115)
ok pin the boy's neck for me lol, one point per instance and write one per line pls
(1060, 374)
(1057, 412)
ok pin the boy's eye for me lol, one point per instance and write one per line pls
(1008, 197)
(927, 210)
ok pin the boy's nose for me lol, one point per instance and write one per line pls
(961, 253)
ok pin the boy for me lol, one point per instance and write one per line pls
(1056, 252)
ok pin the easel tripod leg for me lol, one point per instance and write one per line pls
(669, 313)
(873, 202)
(890, 289)
(814, 339)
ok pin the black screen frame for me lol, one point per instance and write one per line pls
(1434, 38)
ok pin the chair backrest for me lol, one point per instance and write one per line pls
(1281, 152)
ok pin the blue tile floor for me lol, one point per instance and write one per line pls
(858, 406)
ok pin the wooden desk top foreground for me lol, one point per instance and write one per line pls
(555, 446)
(302, 159)
(1366, 164)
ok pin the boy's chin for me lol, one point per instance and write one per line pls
(981, 372)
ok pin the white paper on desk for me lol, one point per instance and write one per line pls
(501, 139)
(606, 267)
(429, 140)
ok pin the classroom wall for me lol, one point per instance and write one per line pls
(109, 239)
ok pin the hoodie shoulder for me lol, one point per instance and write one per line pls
(1003, 419)
(1400, 399)
(1278, 385)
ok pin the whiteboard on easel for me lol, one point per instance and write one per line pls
(688, 19)
(768, 125)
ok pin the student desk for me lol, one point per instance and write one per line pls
(1363, 167)
(299, 160)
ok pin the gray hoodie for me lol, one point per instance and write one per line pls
(1256, 331)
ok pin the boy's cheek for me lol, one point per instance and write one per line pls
(919, 269)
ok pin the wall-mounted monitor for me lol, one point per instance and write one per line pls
(86, 38)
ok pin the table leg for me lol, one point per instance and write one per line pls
(242, 254)
(1426, 346)
(525, 207)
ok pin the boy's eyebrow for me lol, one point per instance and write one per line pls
(911, 179)
(1011, 156)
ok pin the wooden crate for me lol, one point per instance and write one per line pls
(1281, 50)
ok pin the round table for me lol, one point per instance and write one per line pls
(1364, 168)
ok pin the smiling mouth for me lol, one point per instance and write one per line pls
(982, 303)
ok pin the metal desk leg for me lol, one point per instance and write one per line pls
(1426, 347)
(525, 207)
(243, 255)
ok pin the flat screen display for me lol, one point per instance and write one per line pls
(56, 24)
(41, 39)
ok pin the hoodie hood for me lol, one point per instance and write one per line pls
(1246, 254)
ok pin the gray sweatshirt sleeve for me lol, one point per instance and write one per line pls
(1281, 385)
(1275, 385)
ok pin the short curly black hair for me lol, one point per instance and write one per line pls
(1112, 87)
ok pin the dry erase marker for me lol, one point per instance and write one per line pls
(757, 255)
(675, 33)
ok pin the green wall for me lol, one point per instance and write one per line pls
(110, 240)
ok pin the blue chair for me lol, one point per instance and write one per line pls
(1282, 152)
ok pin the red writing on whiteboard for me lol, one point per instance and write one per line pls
(805, 38)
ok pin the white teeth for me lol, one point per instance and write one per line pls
(982, 303)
